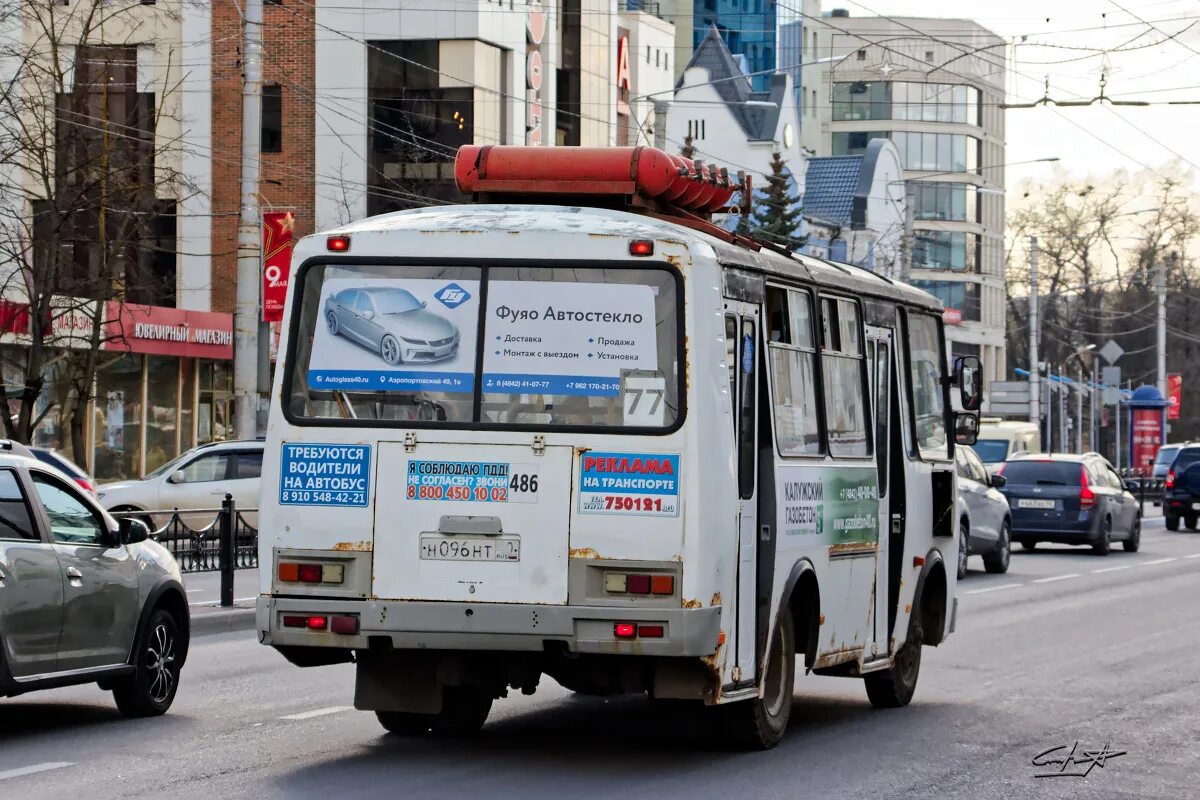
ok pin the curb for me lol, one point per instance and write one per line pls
(223, 621)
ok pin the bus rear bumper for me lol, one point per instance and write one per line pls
(411, 625)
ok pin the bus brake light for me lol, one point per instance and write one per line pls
(337, 244)
(625, 630)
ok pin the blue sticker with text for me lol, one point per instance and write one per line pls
(325, 475)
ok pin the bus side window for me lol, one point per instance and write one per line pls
(845, 375)
(792, 357)
(731, 359)
(746, 404)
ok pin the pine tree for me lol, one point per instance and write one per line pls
(777, 213)
(687, 151)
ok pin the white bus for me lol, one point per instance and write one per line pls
(618, 447)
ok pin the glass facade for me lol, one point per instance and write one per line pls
(929, 152)
(162, 404)
(957, 202)
(953, 250)
(748, 28)
(118, 420)
(955, 294)
(919, 102)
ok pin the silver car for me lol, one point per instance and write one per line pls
(985, 522)
(391, 322)
(84, 598)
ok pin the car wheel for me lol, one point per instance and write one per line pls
(1104, 544)
(151, 689)
(996, 561)
(964, 548)
(895, 687)
(759, 723)
(389, 349)
(331, 321)
(1172, 522)
(1028, 545)
(1134, 541)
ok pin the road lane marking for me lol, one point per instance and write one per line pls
(319, 712)
(196, 591)
(34, 769)
(1193, 555)
(1111, 569)
(996, 588)
(1057, 578)
(1158, 561)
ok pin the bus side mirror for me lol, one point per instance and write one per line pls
(968, 374)
(966, 427)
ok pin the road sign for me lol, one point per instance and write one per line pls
(1010, 391)
(1111, 351)
(1111, 378)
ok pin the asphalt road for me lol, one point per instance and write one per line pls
(1067, 647)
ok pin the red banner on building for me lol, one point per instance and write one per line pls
(1174, 395)
(1145, 438)
(277, 260)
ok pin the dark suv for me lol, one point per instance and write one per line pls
(1181, 489)
(1070, 499)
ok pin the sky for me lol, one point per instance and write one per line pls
(1143, 62)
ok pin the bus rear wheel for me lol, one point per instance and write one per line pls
(894, 688)
(464, 710)
(760, 724)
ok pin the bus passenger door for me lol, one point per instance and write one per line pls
(741, 342)
(881, 366)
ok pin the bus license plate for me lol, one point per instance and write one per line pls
(475, 548)
(1035, 504)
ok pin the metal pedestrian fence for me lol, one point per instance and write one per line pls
(226, 543)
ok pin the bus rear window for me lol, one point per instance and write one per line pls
(549, 346)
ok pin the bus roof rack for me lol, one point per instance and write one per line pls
(642, 179)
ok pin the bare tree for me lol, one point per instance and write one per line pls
(84, 166)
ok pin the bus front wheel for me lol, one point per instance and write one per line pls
(759, 724)
(894, 688)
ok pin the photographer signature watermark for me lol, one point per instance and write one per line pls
(1072, 761)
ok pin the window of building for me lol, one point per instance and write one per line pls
(929, 56)
(844, 378)
(647, 54)
(961, 295)
(657, 57)
(862, 55)
(905, 100)
(952, 250)
(847, 143)
(793, 358)
(945, 201)
(937, 152)
(118, 437)
(272, 118)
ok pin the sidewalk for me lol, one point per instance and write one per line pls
(204, 598)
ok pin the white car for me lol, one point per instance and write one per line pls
(985, 523)
(198, 479)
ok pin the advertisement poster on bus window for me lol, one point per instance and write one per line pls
(395, 335)
(838, 507)
(567, 338)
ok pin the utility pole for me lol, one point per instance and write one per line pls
(249, 240)
(1160, 288)
(1035, 397)
(1079, 409)
(910, 200)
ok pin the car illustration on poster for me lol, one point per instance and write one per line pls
(391, 322)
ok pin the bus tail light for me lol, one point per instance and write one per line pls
(346, 625)
(310, 572)
(625, 630)
(650, 631)
(316, 623)
(638, 583)
(1087, 498)
(632, 630)
(338, 244)
(641, 247)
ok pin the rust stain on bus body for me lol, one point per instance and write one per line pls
(584, 552)
(364, 547)
(853, 547)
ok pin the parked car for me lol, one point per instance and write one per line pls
(198, 479)
(1070, 499)
(66, 465)
(87, 598)
(1181, 489)
(984, 525)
